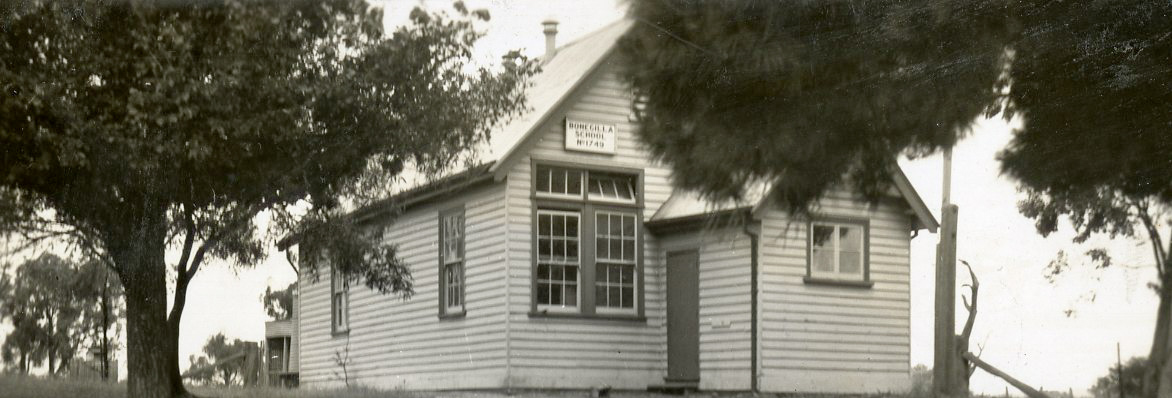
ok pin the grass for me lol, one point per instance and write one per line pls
(15, 386)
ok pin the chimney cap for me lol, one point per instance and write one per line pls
(551, 25)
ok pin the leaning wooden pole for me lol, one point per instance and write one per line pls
(946, 363)
(1025, 388)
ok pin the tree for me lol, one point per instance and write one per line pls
(1091, 80)
(1133, 374)
(200, 370)
(45, 314)
(279, 303)
(221, 358)
(102, 309)
(808, 94)
(134, 127)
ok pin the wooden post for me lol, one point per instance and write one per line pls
(1119, 369)
(945, 371)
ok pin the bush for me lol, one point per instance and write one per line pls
(1133, 372)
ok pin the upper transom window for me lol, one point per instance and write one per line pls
(614, 187)
(559, 181)
(601, 186)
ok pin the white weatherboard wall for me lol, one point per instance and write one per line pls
(819, 338)
(725, 304)
(397, 343)
(581, 353)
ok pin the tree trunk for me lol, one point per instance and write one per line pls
(151, 347)
(1156, 379)
(105, 346)
(52, 344)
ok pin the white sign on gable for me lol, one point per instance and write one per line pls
(590, 137)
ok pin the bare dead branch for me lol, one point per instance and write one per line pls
(972, 308)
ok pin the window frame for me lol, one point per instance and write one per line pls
(836, 278)
(579, 283)
(339, 318)
(552, 195)
(587, 208)
(285, 346)
(634, 310)
(445, 310)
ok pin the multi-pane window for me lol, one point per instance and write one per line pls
(557, 259)
(615, 257)
(837, 250)
(452, 262)
(558, 181)
(587, 249)
(339, 301)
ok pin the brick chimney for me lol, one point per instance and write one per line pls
(551, 32)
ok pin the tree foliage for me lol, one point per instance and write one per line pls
(131, 127)
(1093, 81)
(220, 362)
(54, 307)
(279, 303)
(806, 95)
(1133, 372)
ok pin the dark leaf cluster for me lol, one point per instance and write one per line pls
(279, 303)
(809, 94)
(1093, 81)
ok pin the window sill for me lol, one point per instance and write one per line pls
(838, 282)
(453, 315)
(600, 317)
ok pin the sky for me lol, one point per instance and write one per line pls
(1055, 335)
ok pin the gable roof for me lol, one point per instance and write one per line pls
(571, 66)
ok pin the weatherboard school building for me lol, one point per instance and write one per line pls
(568, 260)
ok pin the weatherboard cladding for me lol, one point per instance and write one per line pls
(818, 338)
(811, 337)
(402, 343)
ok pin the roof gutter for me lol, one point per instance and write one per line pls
(413, 197)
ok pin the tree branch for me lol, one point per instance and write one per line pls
(188, 240)
(972, 308)
(1154, 236)
(293, 265)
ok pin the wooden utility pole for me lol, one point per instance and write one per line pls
(1119, 369)
(947, 366)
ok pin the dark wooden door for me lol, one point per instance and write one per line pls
(683, 316)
